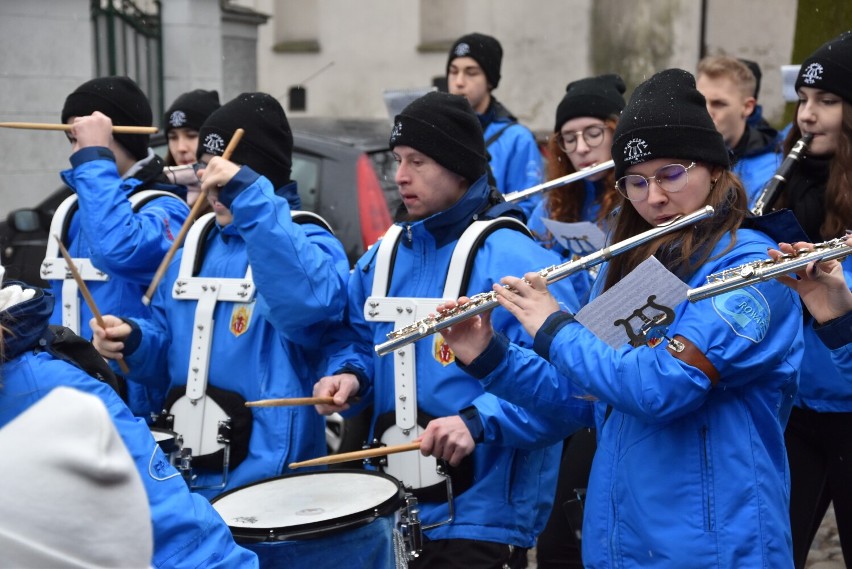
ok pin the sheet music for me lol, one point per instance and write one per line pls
(632, 292)
(581, 238)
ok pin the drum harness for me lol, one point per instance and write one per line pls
(412, 468)
(53, 266)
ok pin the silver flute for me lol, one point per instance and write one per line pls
(766, 269)
(485, 301)
(558, 182)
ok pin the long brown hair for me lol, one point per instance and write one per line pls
(837, 207)
(683, 251)
(566, 202)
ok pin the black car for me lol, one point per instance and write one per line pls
(344, 170)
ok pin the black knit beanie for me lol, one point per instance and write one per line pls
(601, 97)
(667, 117)
(755, 70)
(486, 50)
(267, 144)
(445, 128)
(122, 101)
(191, 109)
(829, 68)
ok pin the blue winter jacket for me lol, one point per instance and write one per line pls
(837, 336)
(300, 272)
(126, 245)
(825, 385)
(515, 460)
(515, 159)
(188, 533)
(756, 158)
(686, 474)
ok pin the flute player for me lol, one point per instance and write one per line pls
(690, 469)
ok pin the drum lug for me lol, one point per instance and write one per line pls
(410, 527)
(224, 434)
(376, 461)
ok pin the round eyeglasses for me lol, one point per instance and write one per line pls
(592, 135)
(671, 179)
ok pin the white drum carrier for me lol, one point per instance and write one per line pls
(412, 468)
(53, 267)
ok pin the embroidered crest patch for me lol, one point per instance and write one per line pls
(745, 311)
(442, 352)
(241, 318)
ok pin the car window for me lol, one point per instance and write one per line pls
(306, 172)
(385, 167)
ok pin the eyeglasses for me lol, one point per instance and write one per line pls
(200, 165)
(671, 179)
(592, 135)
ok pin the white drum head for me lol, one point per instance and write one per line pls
(297, 500)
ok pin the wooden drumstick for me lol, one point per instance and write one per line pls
(293, 401)
(67, 127)
(84, 290)
(193, 213)
(356, 455)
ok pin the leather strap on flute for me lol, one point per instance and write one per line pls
(196, 208)
(693, 356)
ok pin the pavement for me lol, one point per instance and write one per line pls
(825, 550)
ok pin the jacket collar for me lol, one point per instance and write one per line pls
(26, 321)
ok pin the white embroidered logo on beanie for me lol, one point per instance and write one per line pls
(396, 132)
(461, 50)
(812, 73)
(214, 144)
(635, 150)
(177, 119)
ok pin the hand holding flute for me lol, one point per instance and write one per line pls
(821, 285)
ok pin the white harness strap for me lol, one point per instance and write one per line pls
(194, 419)
(53, 267)
(402, 312)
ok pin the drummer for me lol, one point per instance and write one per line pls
(125, 243)
(261, 348)
(504, 461)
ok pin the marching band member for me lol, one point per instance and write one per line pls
(825, 293)
(582, 137)
(473, 71)
(124, 243)
(690, 469)
(187, 532)
(585, 120)
(259, 348)
(506, 461)
(819, 192)
(182, 121)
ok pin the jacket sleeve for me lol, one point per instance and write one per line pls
(738, 332)
(187, 530)
(300, 270)
(124, 243)
(503, 366)
(837, 336)
(146, 349)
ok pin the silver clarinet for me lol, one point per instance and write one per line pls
(558, 182)
(485, 301)
(764, 270)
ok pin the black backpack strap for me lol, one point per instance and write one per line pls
(65, 345)
(493, 138)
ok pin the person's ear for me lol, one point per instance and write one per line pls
(748, 106)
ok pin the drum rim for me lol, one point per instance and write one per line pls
(317, 529)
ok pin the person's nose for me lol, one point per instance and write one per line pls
(656, 194)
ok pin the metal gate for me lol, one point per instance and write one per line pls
(128, 41)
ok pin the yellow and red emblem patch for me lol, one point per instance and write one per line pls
(241, 318)
(442, 352)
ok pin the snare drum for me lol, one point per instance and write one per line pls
(317, 519)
